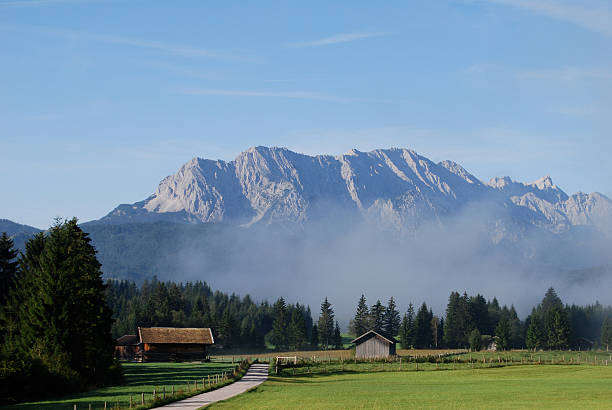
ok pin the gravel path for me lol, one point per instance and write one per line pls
(257, 374)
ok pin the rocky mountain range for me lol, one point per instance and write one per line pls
(393, 188)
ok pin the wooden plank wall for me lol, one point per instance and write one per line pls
(372, 348)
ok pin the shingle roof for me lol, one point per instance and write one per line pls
(189, 335)
(387, 338)
(127, 340)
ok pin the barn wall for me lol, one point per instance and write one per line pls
(373, 348)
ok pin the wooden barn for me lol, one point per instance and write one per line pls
(126, 347)
(173, 343)
(373, 345)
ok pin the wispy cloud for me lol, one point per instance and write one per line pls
(566, 74)
(591, 18)
(298, 95)
(169, 48)
(25, 3)
(294, 95)
(335, 39)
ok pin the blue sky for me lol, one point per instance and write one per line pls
(99, 100)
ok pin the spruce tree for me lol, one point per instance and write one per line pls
(279, 325)
(410, 325)
(297, 329)
(64, 320)
(502, 332)
(377, 315)
(606, 333)
(338, 337)
(326, 325)
(314, 337)
(8, 268)
(535, 335)
(558, 328)
(391, 318)
(404, 333)
(360, 323)
(423, 336)
(475, 341)
(457, 324)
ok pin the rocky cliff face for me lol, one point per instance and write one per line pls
(394, 188)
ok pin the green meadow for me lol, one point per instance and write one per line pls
(141, 378)
(520, 386)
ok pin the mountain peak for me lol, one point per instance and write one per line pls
(543, 183)
(500, 182)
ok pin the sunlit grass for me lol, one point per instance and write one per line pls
(141, 378)
(527, 386)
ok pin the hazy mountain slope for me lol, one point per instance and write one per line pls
(13, 228)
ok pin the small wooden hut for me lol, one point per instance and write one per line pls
(126, 347)
(173, 343)
(373, 345)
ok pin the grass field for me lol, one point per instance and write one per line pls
(140, 377)
(528, 386)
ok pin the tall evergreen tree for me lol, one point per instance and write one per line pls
(606, 333)
(64, 319)
(457, 325)
(551, 300)
(228, 332)
(404, 333)
(360, 323)
(297, 329)
(557, 326)
(280, 335)
(8, 267)
(479, 313)
(502, 332)
(423, 337)
(314, 337)
(391, 318)
(535, 335)
(338, 337)
(475, 340)
(326, 325)
(377, 315)
(410, 325)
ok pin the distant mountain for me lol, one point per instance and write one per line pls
(394, 188)
(19, 233)
(13, 228)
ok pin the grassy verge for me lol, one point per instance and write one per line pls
(527, 386)
(145, 378)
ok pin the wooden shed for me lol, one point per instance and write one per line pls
(126, 347)
(173, 343)
(373, 345)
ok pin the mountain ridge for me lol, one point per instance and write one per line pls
(395, 187)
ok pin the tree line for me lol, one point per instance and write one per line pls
(474, 322)
(236, 322)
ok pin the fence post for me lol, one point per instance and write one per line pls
(130, 400)
(164, 392)
(141, 400)
(75, 407)
(173, 390)
(105, 405)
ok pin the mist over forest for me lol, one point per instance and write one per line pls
(341, 258)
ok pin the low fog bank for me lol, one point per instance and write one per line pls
(343, 257)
